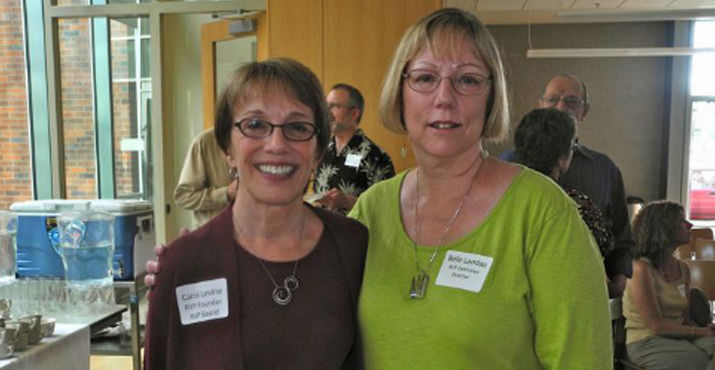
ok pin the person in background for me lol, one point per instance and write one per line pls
(659, 333)
(206, 185)
(271, 282)
(465, 267)
(544, 141)
(352, 162)
(595, 175)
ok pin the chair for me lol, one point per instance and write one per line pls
(700, 232)
(618, 335)
(702, 276)
(683, 252)
(704, 249)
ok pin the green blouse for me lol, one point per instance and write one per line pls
(543, 303)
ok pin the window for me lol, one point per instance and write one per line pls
(77, 94)
(106, 89)
(131, 95)
(702, 126)
(16, 168)
(105, 95)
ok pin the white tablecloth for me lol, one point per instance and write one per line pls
(66, 349)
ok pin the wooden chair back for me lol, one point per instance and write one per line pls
(702, 276)
(683, 252)
(700, 232)
(704, 249)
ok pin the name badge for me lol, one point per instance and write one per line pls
(464, 271)
(202, 301)
(353, 160)
(681, 290)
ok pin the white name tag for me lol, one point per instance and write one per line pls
(464, 271)
(353, 160)
(202, 301)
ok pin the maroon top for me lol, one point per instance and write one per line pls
(316, 330)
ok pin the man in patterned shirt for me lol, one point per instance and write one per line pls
(352, 162)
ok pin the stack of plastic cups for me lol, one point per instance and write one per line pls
(8, 247)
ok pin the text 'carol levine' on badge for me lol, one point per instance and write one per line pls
(202, 301)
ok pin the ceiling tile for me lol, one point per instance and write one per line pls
(500, 4)
(645, 4)
(548, 4)
(678, 4)
(597, 4)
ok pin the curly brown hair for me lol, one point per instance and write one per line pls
(542, 138)
(656, 229)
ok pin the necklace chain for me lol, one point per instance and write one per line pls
(282, 294)
(449, 224)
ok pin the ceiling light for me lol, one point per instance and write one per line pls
(616, 52)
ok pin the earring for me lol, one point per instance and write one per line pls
(233, 173)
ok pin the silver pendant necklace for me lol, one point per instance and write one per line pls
(418, 288)
(282, 294)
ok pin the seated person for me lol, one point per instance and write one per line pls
(659, 333)
(544, 142)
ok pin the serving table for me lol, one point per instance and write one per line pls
(68, 347)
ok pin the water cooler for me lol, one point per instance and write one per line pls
(37, 235)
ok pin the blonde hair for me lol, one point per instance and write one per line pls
(447, 26)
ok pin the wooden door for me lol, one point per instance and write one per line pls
(360, 37)
(350, 41)
(212, 33)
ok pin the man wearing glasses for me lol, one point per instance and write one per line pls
(596, 175)
(352, 162)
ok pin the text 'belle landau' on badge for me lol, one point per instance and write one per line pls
(464, 271)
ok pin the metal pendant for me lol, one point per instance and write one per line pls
(419, 285)
(282, 295)
(291, 283)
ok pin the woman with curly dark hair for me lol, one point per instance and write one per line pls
(659, 333)
(544, 142)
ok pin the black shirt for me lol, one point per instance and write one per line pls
(359, 164)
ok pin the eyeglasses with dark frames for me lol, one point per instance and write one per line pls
(260, 129)
(425, 81)
(571, 102)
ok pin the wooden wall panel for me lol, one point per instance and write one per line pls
(349, 41)
(295, 30)
(360, 37)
